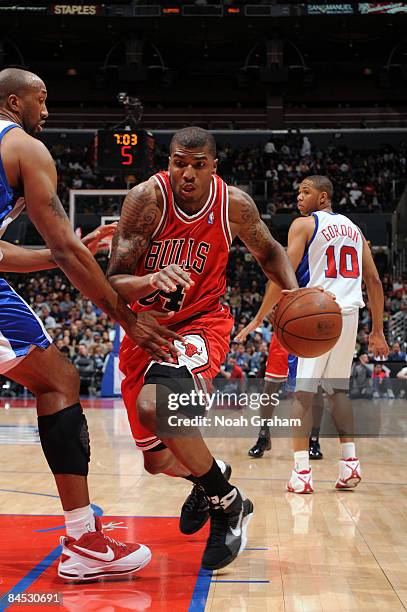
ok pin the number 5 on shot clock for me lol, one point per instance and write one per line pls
(125, 150)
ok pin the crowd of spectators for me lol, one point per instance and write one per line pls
(365, 180)
(372, 379)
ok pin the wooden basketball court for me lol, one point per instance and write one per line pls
(331, 551)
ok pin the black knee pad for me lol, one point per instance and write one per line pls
(172, 380)
(65, 441)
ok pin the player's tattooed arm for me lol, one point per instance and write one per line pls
(140, 217)
(251, 229)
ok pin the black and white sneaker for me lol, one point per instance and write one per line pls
(262, 444)
(195, 510)
(230, 517)
(314, 451)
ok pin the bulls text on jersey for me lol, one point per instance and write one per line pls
(189, 254)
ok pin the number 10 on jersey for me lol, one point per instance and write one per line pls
(347, 259)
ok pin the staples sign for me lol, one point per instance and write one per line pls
(75, 9)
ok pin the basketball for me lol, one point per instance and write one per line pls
(308, 322)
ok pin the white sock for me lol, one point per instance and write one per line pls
(348, 450)
(301, 461)
(79, 521)
(222, 465)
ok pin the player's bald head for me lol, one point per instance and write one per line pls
(322, 183)
(18, 82)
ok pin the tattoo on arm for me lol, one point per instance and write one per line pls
(56, 207)
(253, 231)
(139, 218)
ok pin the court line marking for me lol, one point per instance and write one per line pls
(254, 478)
(201, 590)
(29, 493)
(243, 581)
(30, 577)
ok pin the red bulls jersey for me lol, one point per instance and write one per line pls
(198, 243)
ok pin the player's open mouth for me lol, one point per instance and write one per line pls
(188, 188)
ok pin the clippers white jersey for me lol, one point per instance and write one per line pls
(333, 259)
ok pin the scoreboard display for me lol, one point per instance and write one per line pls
(130, 151)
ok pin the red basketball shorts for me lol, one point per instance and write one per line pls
(206, 345)
(277, 362)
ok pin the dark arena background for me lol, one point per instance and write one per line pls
(288, 90)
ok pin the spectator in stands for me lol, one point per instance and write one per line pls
(67, 302)
(86, 368)
(62, 346)
(269, 148)
(241, 357)
(396, 354)
(258, 358)
(380, 378)
(354, 193)
(39, 303)
(99, 360)
(87, 338)
(397, 284)
(49, 321)
(57, 313)
(362, 341)
(306, 147)
(89, 316)
(234, 375)
(361, 378)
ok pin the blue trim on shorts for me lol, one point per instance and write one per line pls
(18, 323)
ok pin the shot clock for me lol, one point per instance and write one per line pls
(128, 151)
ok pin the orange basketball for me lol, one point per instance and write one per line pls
(308, 322)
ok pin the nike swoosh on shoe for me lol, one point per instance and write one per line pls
(105, 556)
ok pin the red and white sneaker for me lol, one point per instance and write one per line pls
(350, 473)
(300, 482)
(95, 555)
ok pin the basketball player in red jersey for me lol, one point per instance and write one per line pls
(170, 253)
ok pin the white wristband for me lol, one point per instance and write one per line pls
(151, 281)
